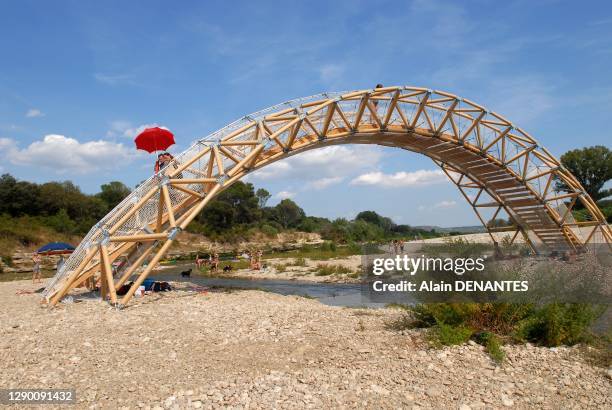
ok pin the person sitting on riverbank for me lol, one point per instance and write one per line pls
(36, 271)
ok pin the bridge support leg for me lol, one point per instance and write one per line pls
(107, 274)
(162, 251)
(68, 282)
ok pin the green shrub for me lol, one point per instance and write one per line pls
(327, 270)
(493, 345)
(269, 230)
(449, 335)
(299, 262)
(490, 323)
(560, 324)
(459, 247)
(280, 267)
(328, 246)
(61, 222)
(8, 260)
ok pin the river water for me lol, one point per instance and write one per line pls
(333, 294)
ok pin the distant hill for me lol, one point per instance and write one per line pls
(460, 229)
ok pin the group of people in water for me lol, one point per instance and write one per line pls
(212, 261)
(397, 246)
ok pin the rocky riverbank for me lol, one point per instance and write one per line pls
(250, 349)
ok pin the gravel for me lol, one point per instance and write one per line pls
(251, 349)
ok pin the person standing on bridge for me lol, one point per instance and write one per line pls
(375, 104)
(156, 139)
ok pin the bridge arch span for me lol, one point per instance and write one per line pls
(499, 168)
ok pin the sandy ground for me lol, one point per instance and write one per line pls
(250, 349)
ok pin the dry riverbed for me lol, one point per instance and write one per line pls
(251, 349)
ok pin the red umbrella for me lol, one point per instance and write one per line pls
(154, 139)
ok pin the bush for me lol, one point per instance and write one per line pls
(489, 323)
(280, 267)
(560, 324)
(7, 260)
(60, 222)
(269, 230)
(326, 270)
(458, 247)
(299, 262)
(328, 246)
(449, 335)
(493, 345)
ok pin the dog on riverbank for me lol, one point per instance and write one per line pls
(186, 273)
(227, 268)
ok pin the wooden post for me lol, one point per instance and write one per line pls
(103, 286)
(107, 274)
(168, 202)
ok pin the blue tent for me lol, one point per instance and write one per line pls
(56, 248)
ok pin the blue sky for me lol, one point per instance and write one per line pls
(78, 79)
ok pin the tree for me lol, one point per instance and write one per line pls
(113, 193)
(18, 198)
(236, 205)
(592, 167)
(372, 217)
(288, 214)
(262, 197)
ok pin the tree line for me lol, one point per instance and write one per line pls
(240, 211)
(237, 213)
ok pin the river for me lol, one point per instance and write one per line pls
(333, 294)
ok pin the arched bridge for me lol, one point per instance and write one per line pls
(499, 168)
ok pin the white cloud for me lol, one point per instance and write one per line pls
(118, 128)
(6, 143)
(329, 162)
(284, 195)
(401, 179)
(324, 182)
(272, 171)
(445, 204)
(67, 155)
(34, 112)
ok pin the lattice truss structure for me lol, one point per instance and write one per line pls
(502, 172)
